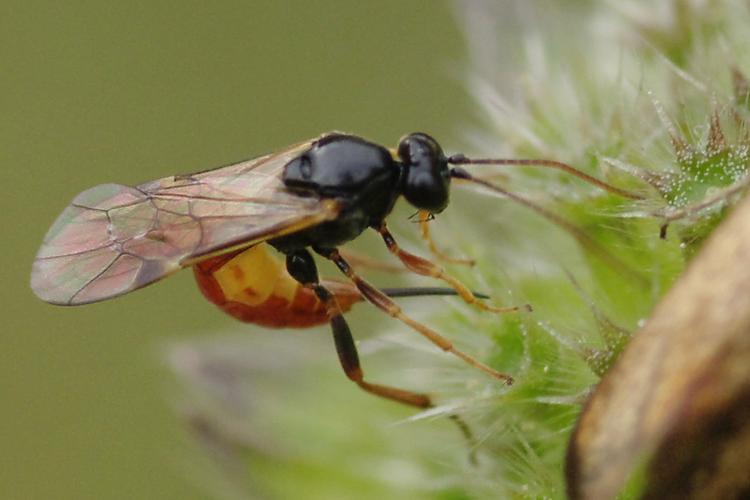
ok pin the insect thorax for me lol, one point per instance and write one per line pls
(360, 175)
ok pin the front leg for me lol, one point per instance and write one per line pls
(424, 230)
(425, 267)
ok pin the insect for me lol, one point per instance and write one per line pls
(316, 195)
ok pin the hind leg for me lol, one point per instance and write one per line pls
(302, 268)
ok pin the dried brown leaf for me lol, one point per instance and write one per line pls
(679, 396)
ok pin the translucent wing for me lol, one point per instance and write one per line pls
(113, 239)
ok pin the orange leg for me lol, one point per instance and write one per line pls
(424, 267)
(302, 268)
(349, 358)
(424, 230)
(363, 261)
(385, 304)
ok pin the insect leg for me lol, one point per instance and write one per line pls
(425, 267)
(424, 231)
(385, 304)
(302, 267)
(363, 261)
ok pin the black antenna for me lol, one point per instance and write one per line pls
(460, 159)
(576, 232)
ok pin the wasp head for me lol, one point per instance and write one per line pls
(427, 177)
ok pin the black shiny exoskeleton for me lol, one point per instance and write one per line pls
(319, 194)
(367, 180)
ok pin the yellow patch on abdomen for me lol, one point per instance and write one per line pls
(252, 276)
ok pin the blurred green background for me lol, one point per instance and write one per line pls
(96, 92)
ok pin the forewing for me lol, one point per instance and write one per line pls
(113, 239)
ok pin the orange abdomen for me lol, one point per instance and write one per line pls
(253, 286)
